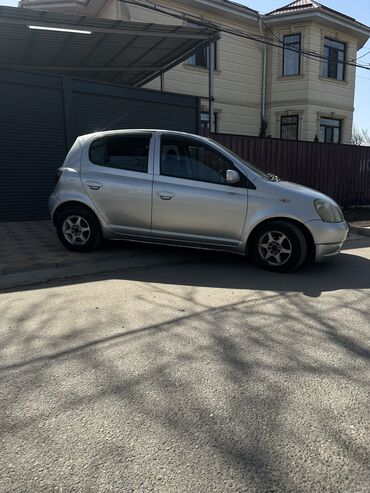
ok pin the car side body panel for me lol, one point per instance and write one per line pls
(165, 209)
(123, 197)
(205, 213)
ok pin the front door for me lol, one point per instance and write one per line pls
(117, 173)
(191, 200)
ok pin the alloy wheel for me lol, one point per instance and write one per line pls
(76, 230)
(275, 248)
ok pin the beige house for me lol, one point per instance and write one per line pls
(295, 83)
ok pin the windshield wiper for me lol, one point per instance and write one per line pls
(273, 177)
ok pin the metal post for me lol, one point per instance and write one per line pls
(68, 111)
(211, 84)
(162, 81)
(263, 85)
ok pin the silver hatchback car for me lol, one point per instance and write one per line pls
(176, 188)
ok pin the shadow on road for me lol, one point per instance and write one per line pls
(232, 272)
(222, 270)
(268, 389)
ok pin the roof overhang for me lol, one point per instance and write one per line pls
(120, 52)
(225, 7)
(351, 27)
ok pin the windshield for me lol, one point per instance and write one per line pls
(257, 170)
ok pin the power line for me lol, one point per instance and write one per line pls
(362, 56)
(305, 54)
(268, 27)
(238, 33)
(308, 54)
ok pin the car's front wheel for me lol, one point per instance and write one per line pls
(279, 246)
(78, 229)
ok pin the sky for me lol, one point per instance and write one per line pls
(360, 10)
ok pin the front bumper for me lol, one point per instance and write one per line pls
(324, 252)
(328, 237)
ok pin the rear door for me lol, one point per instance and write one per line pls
(191, 200)
(117, 173)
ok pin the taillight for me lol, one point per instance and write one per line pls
(57, 175)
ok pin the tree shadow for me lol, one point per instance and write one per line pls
(193, 376)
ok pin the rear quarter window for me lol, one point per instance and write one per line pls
(126, 152)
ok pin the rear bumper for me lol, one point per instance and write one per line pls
(53, 202)
(328, 238)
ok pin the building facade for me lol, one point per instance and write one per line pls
(287, 74)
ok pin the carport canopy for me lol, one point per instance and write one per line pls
(115, 51)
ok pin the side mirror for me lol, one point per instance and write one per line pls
(232, 177)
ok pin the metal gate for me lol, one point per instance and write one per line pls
(339, 170)
(41, 115)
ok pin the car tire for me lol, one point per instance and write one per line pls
(279, 246)
(78, 229)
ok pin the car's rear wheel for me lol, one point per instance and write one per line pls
(279, 246)
(78, 229)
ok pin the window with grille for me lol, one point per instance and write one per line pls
(292, 54)
(334, 59)
(289, 127)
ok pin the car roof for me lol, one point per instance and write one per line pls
(137, 130)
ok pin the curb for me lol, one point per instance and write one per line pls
(40, 267)
(40, 276)
(359, 230)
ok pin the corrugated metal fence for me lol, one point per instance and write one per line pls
(340, 171)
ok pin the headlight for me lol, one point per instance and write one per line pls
(328, 212)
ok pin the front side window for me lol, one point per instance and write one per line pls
(330, 130)
(292, 54)
(289, 127)
(127, 152)
(334, 59)
(191, 160)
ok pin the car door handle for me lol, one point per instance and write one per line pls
(165, 195)
(94, 185)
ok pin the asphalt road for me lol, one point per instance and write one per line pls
(195, 376)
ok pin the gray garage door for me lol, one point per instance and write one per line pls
(41, 115)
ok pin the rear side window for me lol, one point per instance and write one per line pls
(127, 152)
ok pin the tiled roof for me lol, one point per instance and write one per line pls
(300, 6)
(296, 6)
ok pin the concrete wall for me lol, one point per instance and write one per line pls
(310, 95)
(237, 83)
(238, 77)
